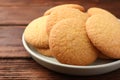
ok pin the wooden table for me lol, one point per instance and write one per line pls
(15, 63)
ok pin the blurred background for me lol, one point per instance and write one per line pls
(23, 11)
(15, 63)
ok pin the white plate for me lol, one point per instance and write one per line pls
(99, 67)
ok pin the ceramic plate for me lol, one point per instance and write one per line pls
(98, 67)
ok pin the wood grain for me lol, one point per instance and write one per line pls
(11, 43)
(19, 15)
(21, 12)
(15, 63)
(27, 69)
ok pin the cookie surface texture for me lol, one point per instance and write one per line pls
(63, 13)
(35, 33)
(75, 6)
(69, 43)
(104, 32)
(95, 10)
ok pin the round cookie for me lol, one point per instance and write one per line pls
(63, 13)
(35, 33)
(69, 43)
(76, 6)
(95, 10)
(104, 33)
(45, 52)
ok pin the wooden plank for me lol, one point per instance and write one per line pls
(27, 69)
(26, 2)
(53, 2)
(19, 2)
(10, 42)
(19, 15)
(42, 2)
(23, 14)
(22, 69)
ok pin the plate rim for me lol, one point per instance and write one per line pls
(65, 65)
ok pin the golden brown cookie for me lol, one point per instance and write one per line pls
(69, 43)
(76, 6)
(35, 33)
(63, 13)
(95, 10)
(104, 33)
(45, 52)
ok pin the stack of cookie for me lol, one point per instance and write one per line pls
(75, 37)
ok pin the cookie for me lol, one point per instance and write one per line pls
(95, 10)
(45, 52)
(76, 6)
(69, 43)
(63, 13)
(35, 33)
(104, 33)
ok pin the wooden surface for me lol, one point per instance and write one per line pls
(15, 63)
